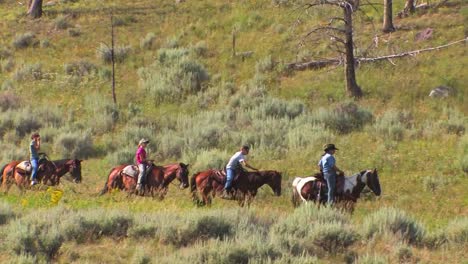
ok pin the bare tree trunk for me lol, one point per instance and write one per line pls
(388, 17)
(114, 96)
(352, 88)
(409, 6)
(35, 8)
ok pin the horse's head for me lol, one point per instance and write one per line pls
(182, 175)
(74, 167)
(275, 181)
(372, 181)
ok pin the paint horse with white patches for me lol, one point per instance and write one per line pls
(348, 189)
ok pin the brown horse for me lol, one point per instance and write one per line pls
(348, 189)
(157, 179)
(244, 185)
(49, 172)
(45, 174)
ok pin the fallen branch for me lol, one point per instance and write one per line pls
(315, 65)
(312, 65)
(410, 53)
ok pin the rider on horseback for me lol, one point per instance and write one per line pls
(233, 166)
(327, 166)
(142, 163)
(34, 147)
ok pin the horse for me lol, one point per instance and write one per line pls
(45, 172)
(158, 179)
(64, 166)
(50, 173)
(246, 184)
(348, 189)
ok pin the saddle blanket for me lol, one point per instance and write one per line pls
(25, 166)
(131, 170)
(299, 183)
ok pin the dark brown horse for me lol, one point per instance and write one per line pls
(64, 166)
(348, 189)
(157, 179)
(245, 185)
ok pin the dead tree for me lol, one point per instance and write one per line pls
(388, 17)
(340, 31)
(114, 96)
(35, 8)
(409, 7)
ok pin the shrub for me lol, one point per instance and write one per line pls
(6, 65)
(392, 124)
(105, 74)
(148, 41)
(209, 159)
(74, 32)
(25, 40)
(344, 118)
(5, 53)
(454, 123)
(80, 68)
(29, 72)
(172, 43)
(265, 65)
(435, 239)
(121, 53)
(173, 77)
(7, 85)
(123, 155)
(6, 213)
(310, 228)
(457, 231)
(200, 48)
(394, 221)
(371, 259)
(140, 257)
(45, 43)
(61, 23)
(123, 21)
(74, 145)
(431, 183)
(403, 253)
(9, 101)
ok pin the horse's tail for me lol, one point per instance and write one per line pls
(1, 172)
(106, 187)
(295, 194)
(193, 187)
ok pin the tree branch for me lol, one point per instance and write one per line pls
(318, 64)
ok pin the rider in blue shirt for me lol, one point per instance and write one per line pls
(327, 165)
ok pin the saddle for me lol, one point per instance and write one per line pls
(133, 171)
(24, 167)
(222, 176)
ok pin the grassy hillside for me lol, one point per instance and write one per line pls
(179, 85)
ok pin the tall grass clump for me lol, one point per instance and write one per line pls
(6, 213)
(74, 145)
(265, 65)
(29, 72)
(392, 124)
(463, 153)
(310, 229)
(148, 41)
(24, 40)
(393, 221)
(457, 231)
(344, 118)
(371, 259)
(121, 53)
(61, 22)
(453, 121)
(173, 76)
(80, 68)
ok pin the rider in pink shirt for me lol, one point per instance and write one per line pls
(141, 161)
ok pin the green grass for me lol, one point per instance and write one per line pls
(286, 117)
